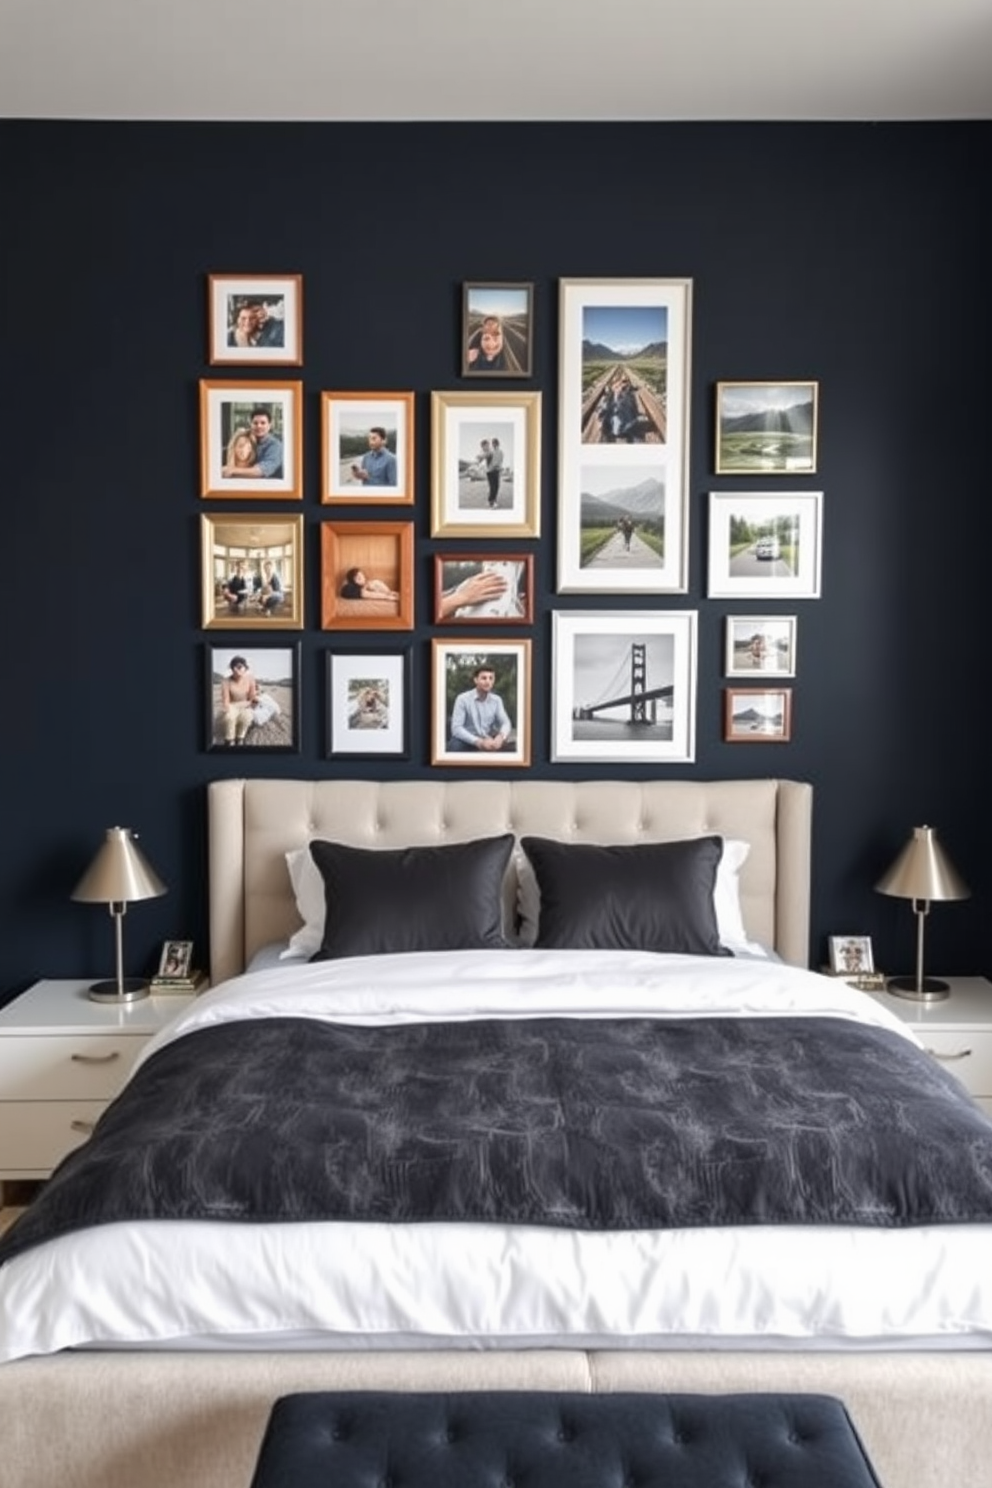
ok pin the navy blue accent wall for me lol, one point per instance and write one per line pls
(856, 255)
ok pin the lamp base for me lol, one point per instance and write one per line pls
(132, 989)
(930, 989)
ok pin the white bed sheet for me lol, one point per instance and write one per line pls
(367, 1286)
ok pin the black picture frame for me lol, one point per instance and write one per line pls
(274, 727)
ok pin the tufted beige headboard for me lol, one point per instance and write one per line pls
(254, 823)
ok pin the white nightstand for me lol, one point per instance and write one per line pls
(62, 1060)
(957, 1031)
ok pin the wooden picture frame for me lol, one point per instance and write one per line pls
(255, 427)
(483, 588)
(255, 320)
(367, 448)
(623, 435)
(624, 686)
(369, 699)
(465, 736)
(485, 464)
(382, 554)
(268, 722)
(757, 715)
(265, 553)
(760, 646)
(497, 329)
(766, 428)
(765, 544)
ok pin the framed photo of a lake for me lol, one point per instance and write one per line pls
(766, 428)
(485, 464)
(754, 715)
(624, 686)
(367, 446)
(497, 330)
(623, 436)
(251, 439)
(765, 544)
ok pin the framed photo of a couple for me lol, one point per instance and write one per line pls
(255, 319)
(486, 464)
(251, 572)
(481, 703)
(623, 435)
(251, 439)
(367, 448)
(497, 330)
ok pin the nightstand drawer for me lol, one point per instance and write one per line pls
(66, 1067)
(33, 1138)
(966, 1053)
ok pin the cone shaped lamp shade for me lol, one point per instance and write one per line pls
(119, 875)
(923, 873)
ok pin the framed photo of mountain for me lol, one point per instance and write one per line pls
(624, 436)
(766, 428)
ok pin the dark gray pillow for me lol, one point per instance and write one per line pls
(651, 896)
(411, 898)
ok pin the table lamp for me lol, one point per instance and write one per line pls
(119, 875)
(922, 872)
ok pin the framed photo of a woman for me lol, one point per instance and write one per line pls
(366, 575)
(367, 444)
(254, 320)
(486, 464)
(368, 703)
(481, 703)
(623, 436)
(251, 572)
(483, 589)
(251, 439)
(253, 698)
(497, 330)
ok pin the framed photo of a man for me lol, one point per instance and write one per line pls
(366, 575)
(251, 439)
(253, 698)
(760, 646)
(497, 330)
(367, 442)
(624, 686)
(483, 589)
(255, 319)
(766, 428)
(481, 703)
(251, 572)
(486, 464)
(368, 703)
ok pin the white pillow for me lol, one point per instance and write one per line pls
(726, 895)
(308, 887)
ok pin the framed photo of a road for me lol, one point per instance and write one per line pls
(497, 330)
(765, 544)
(623, 436)
(485, 464)
(766, 428)
(367, 448)
(624, 686)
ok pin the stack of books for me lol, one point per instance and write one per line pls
(194, 982)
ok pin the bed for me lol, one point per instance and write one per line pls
(129, 1417)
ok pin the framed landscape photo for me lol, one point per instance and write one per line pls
(765, 544)
(766, 428)
(623, 435)
(624, 686)
(483, 589)
(851, 955)
(366, 575)
(367, 444)
(251, 439)
(251, 572)
(253, 698)
(368, 704)
(480, 712)
(255, 319)
(486, 464)
(760, 646)
(497, 330)
(754, 715)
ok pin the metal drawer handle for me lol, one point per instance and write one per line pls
(96, 1058)
(82, 1126)
(949, 1058)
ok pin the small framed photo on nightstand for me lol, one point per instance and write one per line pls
(850, 955)
(174, 962)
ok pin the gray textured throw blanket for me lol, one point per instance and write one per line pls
(587, 1123)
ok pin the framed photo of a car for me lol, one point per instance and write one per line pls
(765, 544)
(755, 715)
(766, 428)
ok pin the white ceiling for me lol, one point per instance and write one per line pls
(496, 59)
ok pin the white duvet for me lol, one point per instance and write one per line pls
(366, 1286)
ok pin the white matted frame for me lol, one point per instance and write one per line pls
(765, 544)
(760, 646)
(851, 955)
(455, 665)
(368, 703)
(624, 686)
(251, 439)
(367, 448)
(255, 320)
(623, 435)
(474, 491)
(766, 428)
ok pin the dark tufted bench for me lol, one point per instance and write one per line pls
(543, 1439)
